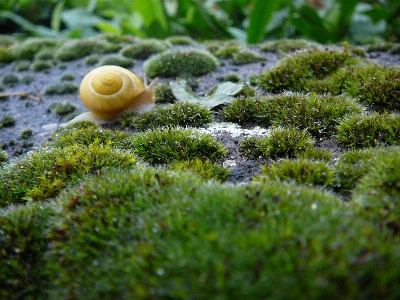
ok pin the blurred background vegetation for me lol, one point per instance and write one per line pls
(252, 21)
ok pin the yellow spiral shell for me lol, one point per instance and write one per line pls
(108, 91)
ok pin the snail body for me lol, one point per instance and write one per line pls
(109, 91)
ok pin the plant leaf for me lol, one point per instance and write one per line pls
(223, 94)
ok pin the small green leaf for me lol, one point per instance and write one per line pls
(223, 94)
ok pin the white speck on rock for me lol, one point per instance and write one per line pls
(229, 163)
(234, 130)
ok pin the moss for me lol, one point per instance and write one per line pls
(45, 54)
(246, 57)
(164, 230)
(75, 49)
(184, 114)
(181, 40)
(7, 121)
(370, 130)
(180, 63)
(10, 79)
(67, 77)
(62, 109)
(25, 134)
(6, 41)
(27, 79)
(145, 49)
(41, 65)
(316, 154)
(377, 193)
(28, 48)
(163, 94)
(204, 168)
(23, 244)
(293, 72)
(228, 51)
(43, 174)
(117, 60)
(380, 47)
(92, 59)
(284, 46)
(281, 142)
(230, 77)
(6, 55)
(85, 133)
(61, 88)
(319, 114)
(246, 92)
(3, 156)
(21, 65)
(176, 144)
(373, 85)
(301, 171)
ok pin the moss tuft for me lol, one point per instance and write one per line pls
(9, 79)
(176, 144)
(281, 142)
(293, 72)
(117, 60)
(30, 47)
(62, 109)
(163, 94)
(301, 171)
(204, 168)
(61, 88)
(145, 49)
(79, 48)
(43, 174)
(284, 46)
(25, 134)
(7, 121)
(246, 57)
(181, 40)
(184, 114)
(180, 63)
(41, 65)
(370, 130)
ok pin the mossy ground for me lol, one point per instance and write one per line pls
(135, 209)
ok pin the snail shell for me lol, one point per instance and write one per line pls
(109, 91)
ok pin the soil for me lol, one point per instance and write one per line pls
(38, 116)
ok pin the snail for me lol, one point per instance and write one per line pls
(110, 91)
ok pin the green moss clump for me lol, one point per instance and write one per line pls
(23, 244)
(79, 48)
(85, 133)
(28, 48)
(62, 109)
(25, 134)
(41, 65)
(27, 79)
(176, 144)
(92, 59)
(204, 168)
(284, 46)
(145, 49)
(21, 65)
(377, 194)
(45, 54)
(6, 40)
(61, 88)
(43, 174)
(6, 55)
(351, 166)
(316, 154)
(293, 72)
(7, 121)
(3, 157)
(281, 142)
(117, 60)
(301, 171)
(230, 77)
(373, 85)
(67, 77)
(184, 114)
(246, 57)
(10, 79)
(164, 230)
(181, 40)
(163, 94)
(180, 63)
(369, 130)
(319, 114)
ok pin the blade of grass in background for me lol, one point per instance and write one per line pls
(260, 15)
(56, 16)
